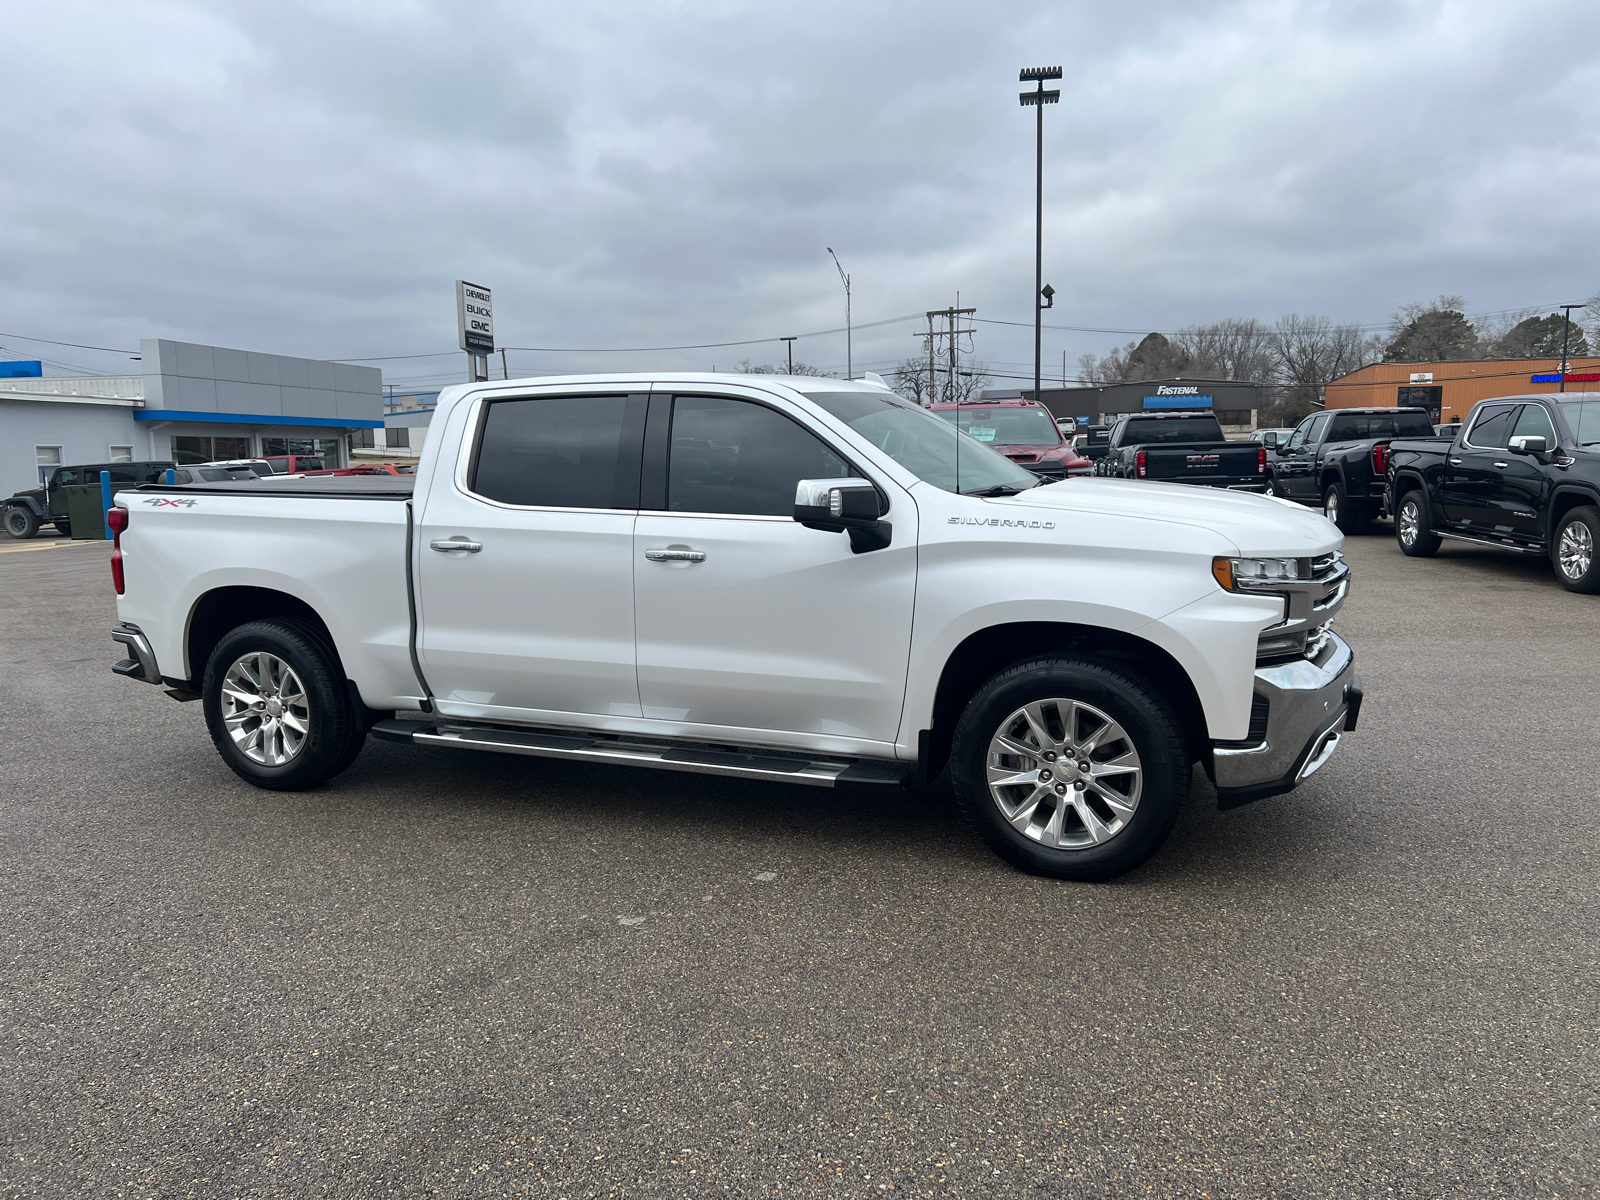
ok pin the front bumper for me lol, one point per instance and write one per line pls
(1308, 703)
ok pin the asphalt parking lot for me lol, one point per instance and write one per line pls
(470, 975)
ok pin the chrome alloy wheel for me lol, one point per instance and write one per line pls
(1064, 774)
(265, 709)
(1408, 522)
(1330, 507)
(1575, 552)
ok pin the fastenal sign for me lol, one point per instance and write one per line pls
(475, 317)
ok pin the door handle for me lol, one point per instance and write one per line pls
(446, 545)
(1501, 464)
(675, 554)
(1455, 462)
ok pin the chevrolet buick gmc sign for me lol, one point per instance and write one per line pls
(1177, 396)
(475, 317)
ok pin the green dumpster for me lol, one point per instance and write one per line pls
(84, 509)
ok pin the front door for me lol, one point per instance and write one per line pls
(531, 619)
(1519, 492)
(748, 621)
(1471, 476)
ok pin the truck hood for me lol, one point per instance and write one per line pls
(1259, 525)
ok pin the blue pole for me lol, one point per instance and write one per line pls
(172, 477)
(105, 500)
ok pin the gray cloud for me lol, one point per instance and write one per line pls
(310, 178)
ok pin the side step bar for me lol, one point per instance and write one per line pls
(1519, 547)
(776, 766)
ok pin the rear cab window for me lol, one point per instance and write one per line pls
(560, 451)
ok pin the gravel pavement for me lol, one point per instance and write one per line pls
(472, 975)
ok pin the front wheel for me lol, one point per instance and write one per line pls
(1070, 767)
(21, 523)
(1342, 511)
(1576, 564)
(278, 708)
(1413, 528)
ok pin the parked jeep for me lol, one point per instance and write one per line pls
(47, 505)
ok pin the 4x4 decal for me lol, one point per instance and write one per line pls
(162, 502)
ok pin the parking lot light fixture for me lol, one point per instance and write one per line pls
(849, 358)
(1038, 98)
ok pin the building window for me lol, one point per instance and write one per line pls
(361, 439)
(48, 459)
(121, 454)
(327, 449)
(209, 449)
(397, 438)
(1429, 398)
(1236, 416)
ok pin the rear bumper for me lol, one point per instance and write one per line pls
(1309, 704)
(141, 660)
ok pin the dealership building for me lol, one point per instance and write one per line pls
(190, 403)
(1234, 402)
(1448, 390)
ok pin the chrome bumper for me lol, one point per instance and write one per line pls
(1308, 704)
(142, 661)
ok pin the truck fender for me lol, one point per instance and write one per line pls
(27, 502)
(1407, 481)
(1563, 500)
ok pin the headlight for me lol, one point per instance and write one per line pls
(1247, 574)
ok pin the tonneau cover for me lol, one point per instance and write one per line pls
(335, 487)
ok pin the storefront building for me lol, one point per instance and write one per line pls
(1449, 390)
(1235, 403)
(191, 403)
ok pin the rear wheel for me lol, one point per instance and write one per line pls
(1349, 516)
(278, 708)
(1577, 565)
(1070, 767)
(1413, 529)
(21, 523)
(64, 528)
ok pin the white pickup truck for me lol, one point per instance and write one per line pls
(807, 581)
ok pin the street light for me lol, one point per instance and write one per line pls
(1566, 325)
(790, 342)
(849, 358)
(1039, 98)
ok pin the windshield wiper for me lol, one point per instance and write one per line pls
(999, 489)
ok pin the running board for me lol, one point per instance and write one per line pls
(775, 766)
(1519, 547)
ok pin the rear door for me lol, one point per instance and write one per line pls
(531, 619)
(748, 621)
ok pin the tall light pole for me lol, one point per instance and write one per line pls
(849, 351)
(1039, 98)
(1566, 326)
(790, 342)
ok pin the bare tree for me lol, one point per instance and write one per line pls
(1232, 348)
(910, 379)
(800, 368)
(1310, 351)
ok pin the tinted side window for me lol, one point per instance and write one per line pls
(1492, 429)
(1533, 421)
(735, 456)
(562, 452)
(1298, 437)
(1319, 426)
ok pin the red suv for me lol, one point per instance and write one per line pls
(1023, 431)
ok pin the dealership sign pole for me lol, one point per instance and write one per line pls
(475, 325)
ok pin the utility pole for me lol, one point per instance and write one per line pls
(951, 316)
(849, 356)
(1566, 327)
(790, 347)
(1038, 98)
(505, 371)
(933, 374)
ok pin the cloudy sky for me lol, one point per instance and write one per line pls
(310, 178)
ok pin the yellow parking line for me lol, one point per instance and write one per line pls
(54, 544)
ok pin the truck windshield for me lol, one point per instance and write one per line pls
(1006, 426)
(1583, 417)
(1177, 429)
(931, 449)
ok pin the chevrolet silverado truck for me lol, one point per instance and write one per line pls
(1522, 474)
(805, 581)
(1338, 460)
(1181, 447)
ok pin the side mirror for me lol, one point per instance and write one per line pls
(838, 505)
(1529, 445)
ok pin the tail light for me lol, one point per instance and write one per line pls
(117, 521)
(1380, 459)
(1261, 461)
(1138, 463)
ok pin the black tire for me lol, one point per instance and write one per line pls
(333, 732)
(1275, 486)
(1575, 550)
(20, 522)
(1349, 515)
(1413, 527)
(1151, 728)
(64, 528)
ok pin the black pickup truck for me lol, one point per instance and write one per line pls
(1523, 474)
(1181, 447)
(1337, 460)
